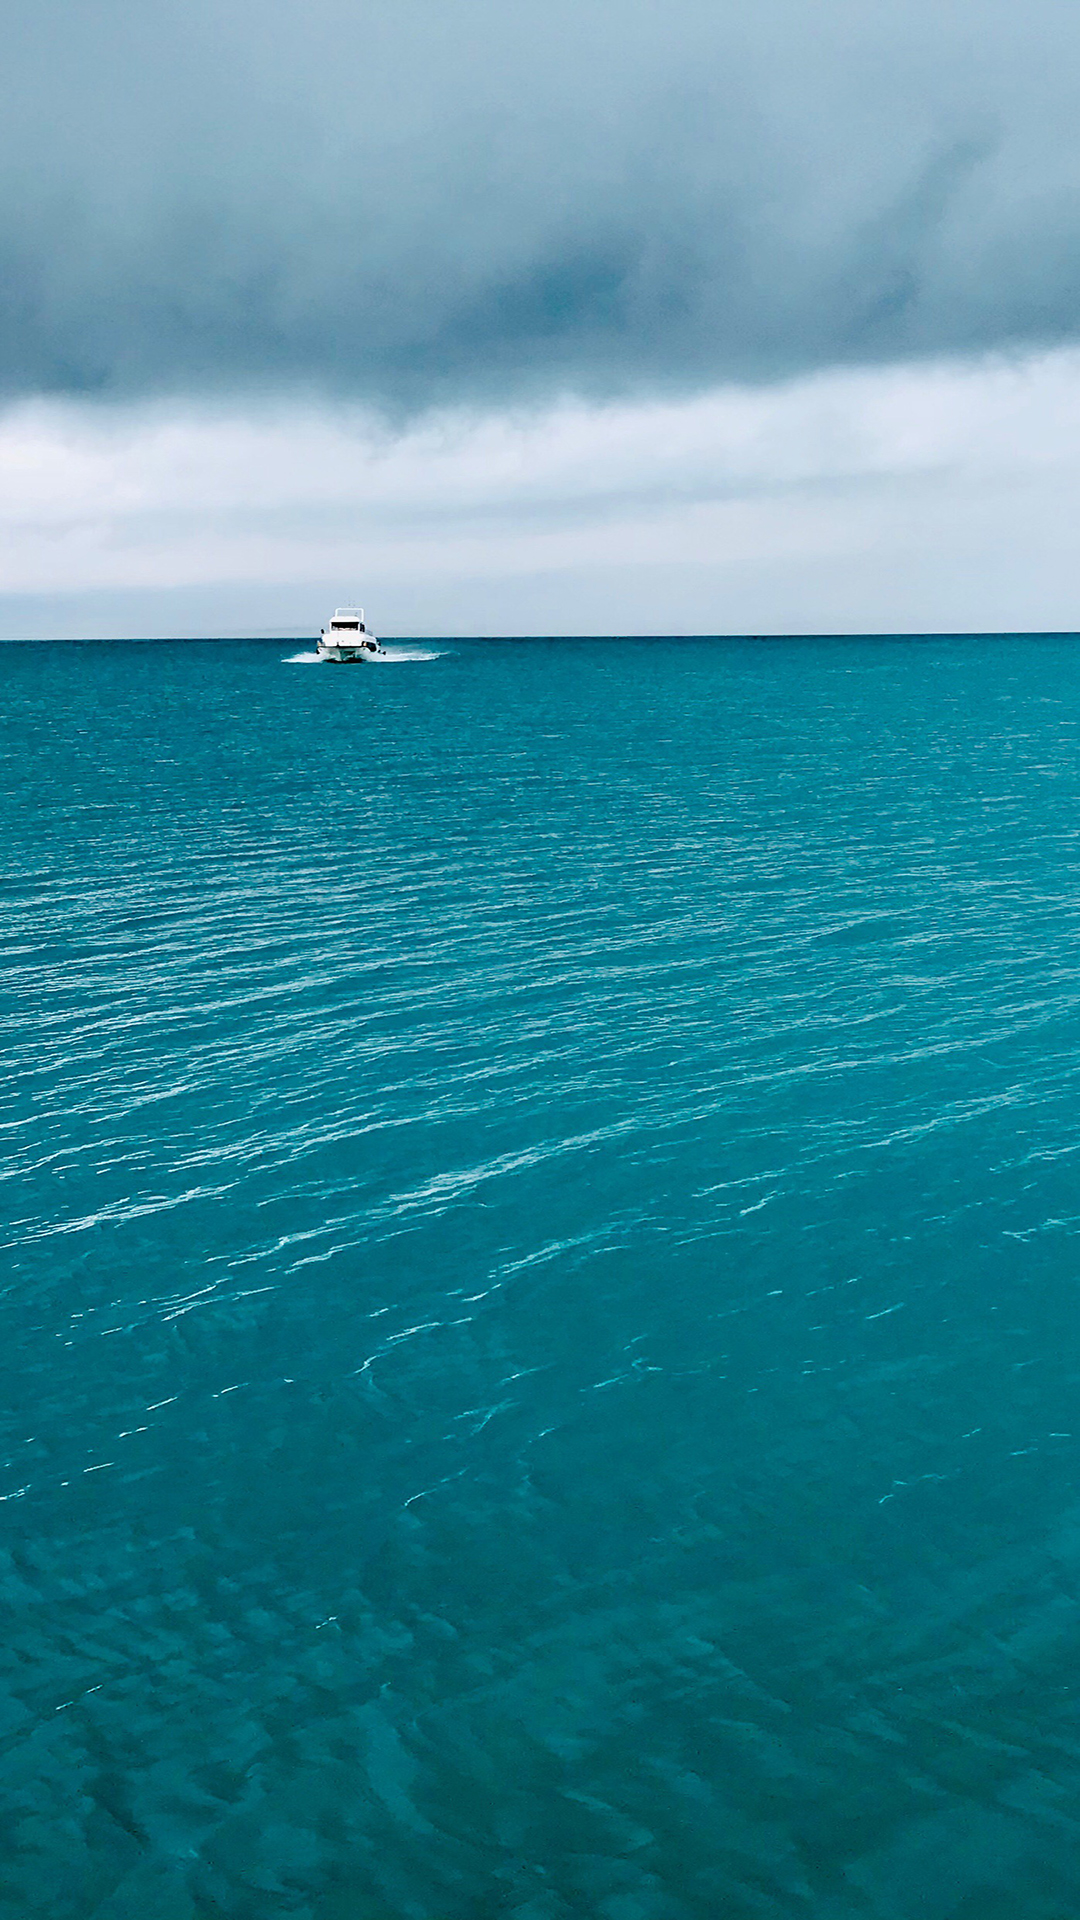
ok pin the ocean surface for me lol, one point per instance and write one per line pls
(541, 1319)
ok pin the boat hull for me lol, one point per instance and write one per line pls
(350, 655)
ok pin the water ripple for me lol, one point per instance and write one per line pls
(539, 1328)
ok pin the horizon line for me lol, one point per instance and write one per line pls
(279, 637)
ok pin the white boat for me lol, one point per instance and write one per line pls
(347, 640)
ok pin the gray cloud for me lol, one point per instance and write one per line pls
(415, 203)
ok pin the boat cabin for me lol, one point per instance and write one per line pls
(347, 620)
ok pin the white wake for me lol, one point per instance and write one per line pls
(389, 659)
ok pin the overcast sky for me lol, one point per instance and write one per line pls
(595, 316)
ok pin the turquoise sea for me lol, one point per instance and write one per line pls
(541, 1324)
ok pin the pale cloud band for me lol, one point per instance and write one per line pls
(923, 497)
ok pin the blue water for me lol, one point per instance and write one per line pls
(540, 1344)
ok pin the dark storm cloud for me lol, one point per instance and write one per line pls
(477, 200)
